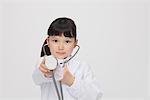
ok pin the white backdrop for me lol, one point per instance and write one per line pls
(113, 35)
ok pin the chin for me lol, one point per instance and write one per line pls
(61, 57)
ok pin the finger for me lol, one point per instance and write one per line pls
(65, 68)
(65, 71)
(43, 68)
(65, 65)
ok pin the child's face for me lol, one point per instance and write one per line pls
(61, 46)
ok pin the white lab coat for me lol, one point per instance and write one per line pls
(83, 88)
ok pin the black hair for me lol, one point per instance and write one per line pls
(60, 26)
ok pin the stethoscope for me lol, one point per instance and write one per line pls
(60, 95)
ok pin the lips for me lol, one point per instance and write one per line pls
(60, 53)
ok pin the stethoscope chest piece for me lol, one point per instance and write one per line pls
(50, 62)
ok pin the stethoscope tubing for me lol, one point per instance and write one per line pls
(53, 77)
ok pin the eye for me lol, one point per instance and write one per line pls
(55, 40)
(68, 41)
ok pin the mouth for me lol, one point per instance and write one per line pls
(61, 53)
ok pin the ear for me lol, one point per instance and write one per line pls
(47, 41)
(75, 44)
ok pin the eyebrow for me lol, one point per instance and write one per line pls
(57, 37)
(53, 37)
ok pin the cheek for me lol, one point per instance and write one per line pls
(70, 49)
(52, 48)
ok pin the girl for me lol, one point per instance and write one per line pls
(75, 78)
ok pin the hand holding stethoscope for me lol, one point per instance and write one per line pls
(67, 79)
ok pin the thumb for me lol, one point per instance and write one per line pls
(65, 68)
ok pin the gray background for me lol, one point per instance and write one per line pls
(113, 35)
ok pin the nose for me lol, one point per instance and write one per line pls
(61, 46)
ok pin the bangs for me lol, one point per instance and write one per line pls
(65, 33)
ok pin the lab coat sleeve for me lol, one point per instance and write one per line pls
(38, 77)
(85, 87)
